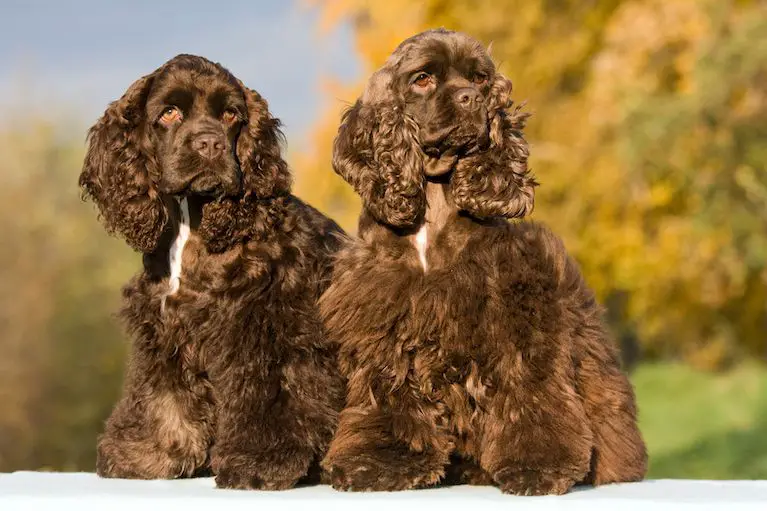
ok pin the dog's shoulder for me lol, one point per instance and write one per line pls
(526, 236)
(313, 232)
(533, 246)
(315, 220)
(534, 233)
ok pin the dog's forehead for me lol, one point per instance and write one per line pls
(448, 48)
(452, 47)
(199, 83)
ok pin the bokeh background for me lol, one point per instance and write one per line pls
(649, 137)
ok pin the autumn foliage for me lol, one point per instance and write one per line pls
(648, 137)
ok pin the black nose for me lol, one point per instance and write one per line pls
(209, 146)
(467, 98)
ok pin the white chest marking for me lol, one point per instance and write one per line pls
(421, 239)
(177, 249)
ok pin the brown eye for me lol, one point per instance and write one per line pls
(480, 79)
(229, 116)
(423, 80)
(170, 115)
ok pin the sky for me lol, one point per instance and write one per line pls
(75, 56)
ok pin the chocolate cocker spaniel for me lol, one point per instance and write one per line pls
(230, 370)
(474, 350)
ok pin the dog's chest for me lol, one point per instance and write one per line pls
(450, 360)
(175, 255)
(192, 271)
(438, 211)
(182, 257)
(421, 243)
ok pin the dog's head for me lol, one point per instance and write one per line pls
(436, 107)
(188, 128)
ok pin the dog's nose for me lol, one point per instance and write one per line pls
(209, 146)
(468, 98)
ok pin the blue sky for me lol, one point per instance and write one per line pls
(74, 56)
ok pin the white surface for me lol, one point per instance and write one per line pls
(37, 491)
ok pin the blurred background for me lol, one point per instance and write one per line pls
(649, 137)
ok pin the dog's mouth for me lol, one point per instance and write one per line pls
(205, 183)
(209, 185)
(442, 157)
(444, 147)
(441, 165)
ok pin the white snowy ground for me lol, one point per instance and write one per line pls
(35, 491)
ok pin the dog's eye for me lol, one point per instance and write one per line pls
(480, 79)
(170, 115)
(423, 80)
(229, 116)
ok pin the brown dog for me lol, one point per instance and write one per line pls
(474, 350)
(229, 369)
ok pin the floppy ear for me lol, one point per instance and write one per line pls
(377, 152)
(264, 173)
(115, 173)
(496, 182)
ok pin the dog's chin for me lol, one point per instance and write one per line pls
(460, 140)
(438, 166)
(204, 185)
(212, 187)
(441, 160)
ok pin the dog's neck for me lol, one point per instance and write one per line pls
(194, 204)
(177, 247)
(439, 207)
(188, 216)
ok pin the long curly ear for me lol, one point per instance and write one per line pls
(115, 174)
(264, 173)
(496, 182)
(377, 152)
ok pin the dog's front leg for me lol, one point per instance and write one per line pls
(535, 438)
(391, 436)
(608, 400)
(277, 404)
(161, 428)
(163, 424)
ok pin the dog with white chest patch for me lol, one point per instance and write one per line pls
(474, 350)
(229, 370)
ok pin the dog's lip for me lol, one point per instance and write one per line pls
(439, 166)
(438, 146)
(205, 184)
(435, 143)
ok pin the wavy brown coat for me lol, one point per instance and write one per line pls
(487, 361)
(231, 373)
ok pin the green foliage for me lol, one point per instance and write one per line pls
(59, 286)
(699, 425)
(704, 146)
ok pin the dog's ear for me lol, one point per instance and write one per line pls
(115, 173)
(265, 173)
(377, 152)
(497, 182)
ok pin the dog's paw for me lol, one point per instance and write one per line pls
(244, 472)
(383, 471)
(246, 477)
(143, 460)
(534, 482)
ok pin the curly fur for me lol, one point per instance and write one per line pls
(115, 173)
(491, 363)
(379, 153)
(232, 372)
